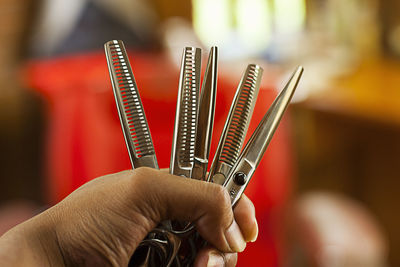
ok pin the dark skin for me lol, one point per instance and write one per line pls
(102, 222)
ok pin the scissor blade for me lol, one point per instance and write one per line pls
(183, 142)
(205, 117)
(254, 150)
(130, 109)
(262, 136)
(237, 122)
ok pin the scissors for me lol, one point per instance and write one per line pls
(131, 113)
(192, 137)
(189, 156)
(244, 168)
(237, 122)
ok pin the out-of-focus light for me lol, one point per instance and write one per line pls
(211, 21)
(289, 16)
(246, 27)
(254, 21)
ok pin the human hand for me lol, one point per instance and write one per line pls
(102, 222)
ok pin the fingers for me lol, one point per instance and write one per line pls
(208, 205)
(245, 216)
(211, 257)
(108, 217)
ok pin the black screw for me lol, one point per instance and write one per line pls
(240, 178)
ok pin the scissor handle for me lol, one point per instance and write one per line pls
(166, 243)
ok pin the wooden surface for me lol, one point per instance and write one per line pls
(372, 92)
(348, 141)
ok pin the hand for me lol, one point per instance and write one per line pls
(102, 222)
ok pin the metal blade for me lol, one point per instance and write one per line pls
(262, 136)
(130, 109)
(206, 117)
(259, 141)
(237, 122)
(183, 143)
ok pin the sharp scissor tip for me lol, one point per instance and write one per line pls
(300, 70)
(213, 57)
(294, 80)
(284, 97)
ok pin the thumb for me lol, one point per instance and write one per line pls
(208, 205)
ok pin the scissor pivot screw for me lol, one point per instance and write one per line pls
(240, 178)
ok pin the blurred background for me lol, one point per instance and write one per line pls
(327, 189)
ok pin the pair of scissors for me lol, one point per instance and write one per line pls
(131, 113)
(191, 147)
(192, 136)
(243, 169)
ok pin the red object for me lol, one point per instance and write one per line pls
(84, 137)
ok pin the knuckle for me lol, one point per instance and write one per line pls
(143, 171)
(145, 195)
(140, 179)
(129, 173)
(142, 176)
(222, 196)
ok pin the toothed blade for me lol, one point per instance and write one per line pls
(130, 108)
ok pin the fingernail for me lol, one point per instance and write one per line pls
(235, 238)
(215, 260)
(256, 234)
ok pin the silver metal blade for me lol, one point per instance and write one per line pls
(262, 136)
(237, 122)
(183, 143)
(254, 150)
(205, 117)
(130, 109)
